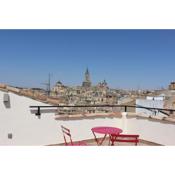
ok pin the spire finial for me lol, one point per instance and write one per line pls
(87, 70)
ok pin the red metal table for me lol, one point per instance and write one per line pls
(106, 131)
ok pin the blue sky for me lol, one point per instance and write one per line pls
(127, 59)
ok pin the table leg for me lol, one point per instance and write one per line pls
(99, 143)
(102, 140)
(95, 138)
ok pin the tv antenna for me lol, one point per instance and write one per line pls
(48, 85)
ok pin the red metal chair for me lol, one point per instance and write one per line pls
(124, 138)
(67, 134)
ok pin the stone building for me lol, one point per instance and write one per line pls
(59, 89)
(172, 86)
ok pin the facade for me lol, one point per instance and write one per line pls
(150, 103)
(165, 100)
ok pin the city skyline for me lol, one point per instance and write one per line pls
(129, 59)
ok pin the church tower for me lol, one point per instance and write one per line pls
(87, 81)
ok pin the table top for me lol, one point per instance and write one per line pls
(106, 130)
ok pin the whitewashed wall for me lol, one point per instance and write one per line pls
(151, 104)
(26, 128)
(152, 130)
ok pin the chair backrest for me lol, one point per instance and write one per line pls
(124, 138)
(66, 134)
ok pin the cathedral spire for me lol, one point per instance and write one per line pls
(87, 75)
(87, 81)
(87, 70)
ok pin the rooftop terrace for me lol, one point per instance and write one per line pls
(20, 125)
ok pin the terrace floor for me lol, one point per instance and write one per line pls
(106, 143)
(92, 142)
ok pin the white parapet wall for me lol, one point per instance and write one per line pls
(152, 130)
(81, 128)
